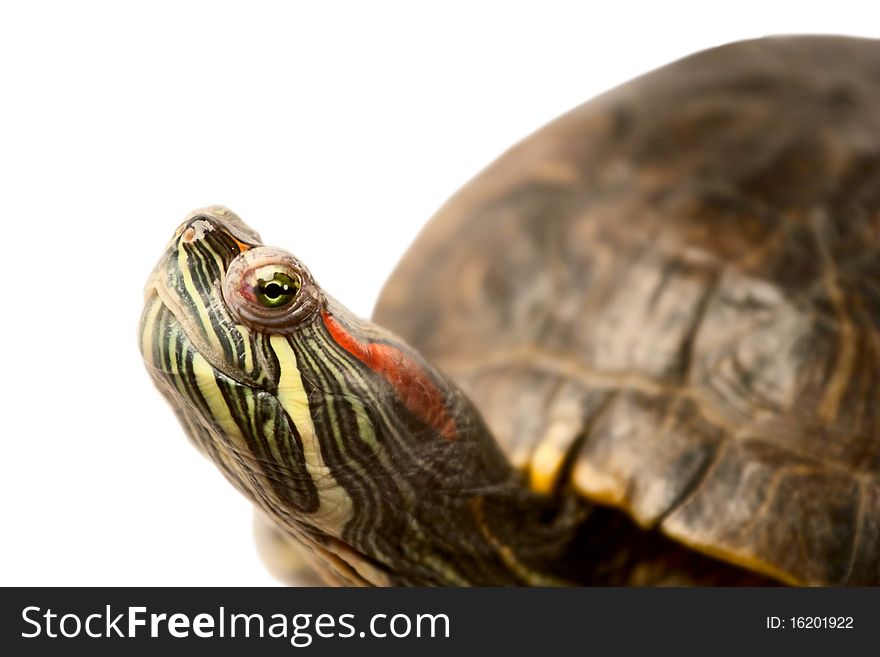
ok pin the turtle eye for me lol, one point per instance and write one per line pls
(278, 291)
(270, 290)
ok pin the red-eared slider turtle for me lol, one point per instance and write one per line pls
(642, 347)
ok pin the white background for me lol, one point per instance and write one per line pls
(335, 131)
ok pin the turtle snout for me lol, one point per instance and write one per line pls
(203, 221)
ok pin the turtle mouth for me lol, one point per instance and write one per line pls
(163, 315)
(182, 296)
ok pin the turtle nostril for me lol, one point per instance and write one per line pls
(189, 234)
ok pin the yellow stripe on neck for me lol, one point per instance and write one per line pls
(335, 504)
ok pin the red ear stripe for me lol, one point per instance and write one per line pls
(413, 386)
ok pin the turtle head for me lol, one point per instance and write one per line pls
(337, 430)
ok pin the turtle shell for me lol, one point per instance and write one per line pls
(668, 301)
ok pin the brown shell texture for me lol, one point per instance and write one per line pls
(668, 301)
